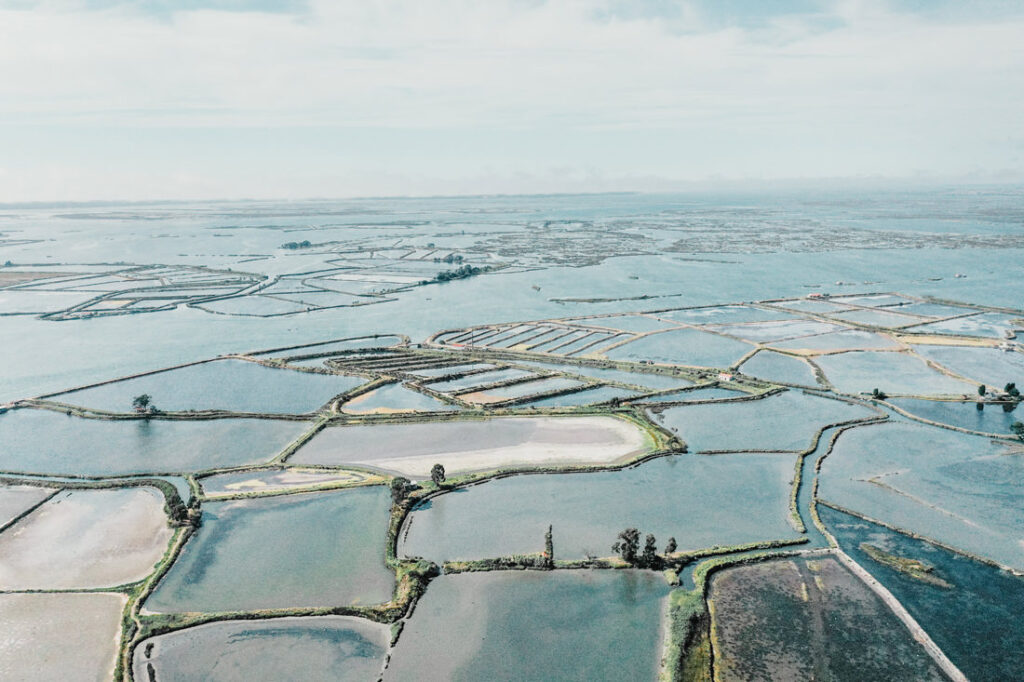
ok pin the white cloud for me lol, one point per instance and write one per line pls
(857, 89)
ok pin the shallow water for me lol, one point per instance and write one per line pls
(234, 385)
(328, 647)
(683, 347)
(395, 398)
(787, 421)
(977, 623)
(962, 490)
(966, 415)
(526, 625)
(991, 366)
(251, 554)
(668, 496)
(786, 369)
(41, 441)
(893, 373)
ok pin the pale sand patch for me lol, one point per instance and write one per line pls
(86, 539)
(60, 636)
(553, 441)
(17, 499)
(274, 480)
(950, 341)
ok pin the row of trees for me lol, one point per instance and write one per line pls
(627, 546)
(401, 486)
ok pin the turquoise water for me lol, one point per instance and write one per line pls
(963, 490)
(893, 373)
(531, 388)
(252, 554)
(629, 323)
(786, 369)
(328, 647)
(787, 421)
(695, 395)
(234, 385)
(700, 500)
(724, 315)
(479, 379)
(966, 415)
(524, 625)
(683, 347)
(990, 325)
(977, 623)
(591, 396)
(846, 340)
(879, 318)
(655, 382)
(41, 441)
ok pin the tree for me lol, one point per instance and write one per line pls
(981, 389)
(1018, 429)
(1009, 387)
(437, 474)
(142, 403)
(549, 549)
(627, 545)
(878, 395)
(650, 556)
(670, 546)
(400, 487)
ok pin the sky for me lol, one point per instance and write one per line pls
(179, 99)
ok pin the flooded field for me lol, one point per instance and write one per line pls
(668, 496)
(782, 368)
(394, 398)
(787, 421)
(806, 619)
(983, 638)
(327, 647)
(412, 449)
(248, 555)
(986, 365)
(562, 624)
(233, 385)
(963, 490)
(60, 636)
(86, 539)
(893, 373)
(683, 347)
(42, 441)
(990, 418)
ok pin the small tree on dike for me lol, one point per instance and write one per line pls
(981, 390)
(549, 549)
(142, 403)
(627, 545)
(1018, 429)
(400, 487)
(437, 474)
(670, 546)
(649, 558)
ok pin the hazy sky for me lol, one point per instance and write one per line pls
(284, 98)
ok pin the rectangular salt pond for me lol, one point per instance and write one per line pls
(701, 501)
(683, 347)
(805, 619)
(521, 390)
(479, 379)
(654, 382)
(322, 648)
(697, 395)
(234, 385)
(991, 325)
(879, 318)
(776, 331)
(787, 421)
(337, 345)
(392, 398)
(525, 625)
(890, 372)
(836, 341)
(982, 636)
(413, 448)
(60, 636)
(591, 396)
(85, 539)
(46, 442)
(450, 369)
(966, 415)
(628, 323)
(965, 491)
(309, 549)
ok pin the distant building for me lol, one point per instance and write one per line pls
(725, 376)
